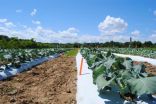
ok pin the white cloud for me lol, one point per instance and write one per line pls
(9, 24)
(42, 34)
(3, 20)
(154, 12)
(33, 13)
(150, 37)
(153, 36)
(6, 23)
(36, 22)
(135, 32)
(69, 35)
(112, 25)
(18, 11)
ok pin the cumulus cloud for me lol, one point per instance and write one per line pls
(112, 25)
(69, 35)
(4, 22)
(48, 35)
(18, 11)
(41, 34)
(9, 24)
(36, 22)
(33, 13)
(153, 36)
(154, 12)
(135, 32)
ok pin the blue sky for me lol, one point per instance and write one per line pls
(72, 19)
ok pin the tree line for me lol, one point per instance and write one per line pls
(13, 42)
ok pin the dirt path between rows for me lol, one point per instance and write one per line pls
(53, 82)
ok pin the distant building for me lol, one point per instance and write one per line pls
(130, 39)
(130, 43)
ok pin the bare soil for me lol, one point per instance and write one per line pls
(53, 82)
(149, 67)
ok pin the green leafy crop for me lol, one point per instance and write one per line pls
(110, 70)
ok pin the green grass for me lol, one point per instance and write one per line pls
(72, 53)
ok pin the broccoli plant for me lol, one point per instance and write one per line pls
(109, 70)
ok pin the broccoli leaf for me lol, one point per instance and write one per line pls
(142, 85)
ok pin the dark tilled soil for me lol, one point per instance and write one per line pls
(53, 82)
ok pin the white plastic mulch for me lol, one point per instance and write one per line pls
(87, 92)
(25, 66)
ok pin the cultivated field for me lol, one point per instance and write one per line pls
(53, 82)
(57, 80)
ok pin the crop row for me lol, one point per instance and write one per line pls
(112, 73)
(15, 57)
(133, 51)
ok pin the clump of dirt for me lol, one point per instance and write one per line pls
(53, 82)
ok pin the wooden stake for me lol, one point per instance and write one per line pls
(81, 66)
